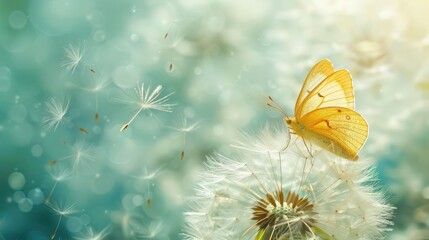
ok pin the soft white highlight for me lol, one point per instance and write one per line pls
(345, 201)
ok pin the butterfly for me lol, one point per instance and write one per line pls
(324, 112)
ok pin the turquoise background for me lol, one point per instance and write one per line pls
(226, 57)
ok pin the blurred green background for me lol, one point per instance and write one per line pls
(221, 59)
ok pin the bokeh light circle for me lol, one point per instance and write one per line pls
(16, 180)
(17, 19)
(25, 205)
(36, 195)
(74, 224)
(37, 150)
(18, 195)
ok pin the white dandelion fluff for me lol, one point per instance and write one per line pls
(82, 155)
(91, 234)
(56, 112)
(145, 99)
(74, 55)
(58, 172)
(62, 210)
(286, 195)
(185, 128)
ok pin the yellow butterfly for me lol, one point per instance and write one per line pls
(324, 112)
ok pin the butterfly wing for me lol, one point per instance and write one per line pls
(336, 129)
(336, 90)
(318, 73)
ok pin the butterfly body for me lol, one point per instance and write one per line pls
(324, 112)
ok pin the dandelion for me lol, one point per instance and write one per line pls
(62, 210)
(58, 172)
(265, 141)
(56, 112)
(144, 99)
(90, 234)
(284, 195)
(185, 128)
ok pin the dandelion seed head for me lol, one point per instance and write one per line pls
(284, 216)
(266, 141)
(56, 112)
(261, 193)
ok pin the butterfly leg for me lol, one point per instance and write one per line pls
(287, 142)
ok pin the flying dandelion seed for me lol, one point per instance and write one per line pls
(148, 199)
(148, 176)
(97, 84)
(63, 210)
(144, 99)
(74, 55)
(59, 173)
(131, 223)
(91, 234)
(170, 66)
(84, 131)
(283, 195)
(168, 31)
(185, 128)
(82, 153)
(56, 112)
(52, 163)
(152, 230)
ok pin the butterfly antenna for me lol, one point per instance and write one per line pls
(276, 106)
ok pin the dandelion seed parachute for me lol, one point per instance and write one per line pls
(74, 55)
(56, 112)
(145, 99)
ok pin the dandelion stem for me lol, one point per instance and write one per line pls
(48, 198)
(56, 229)
(92, 70)
(148, 195)
(96, 108)
(182, 154)
(132, 119)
